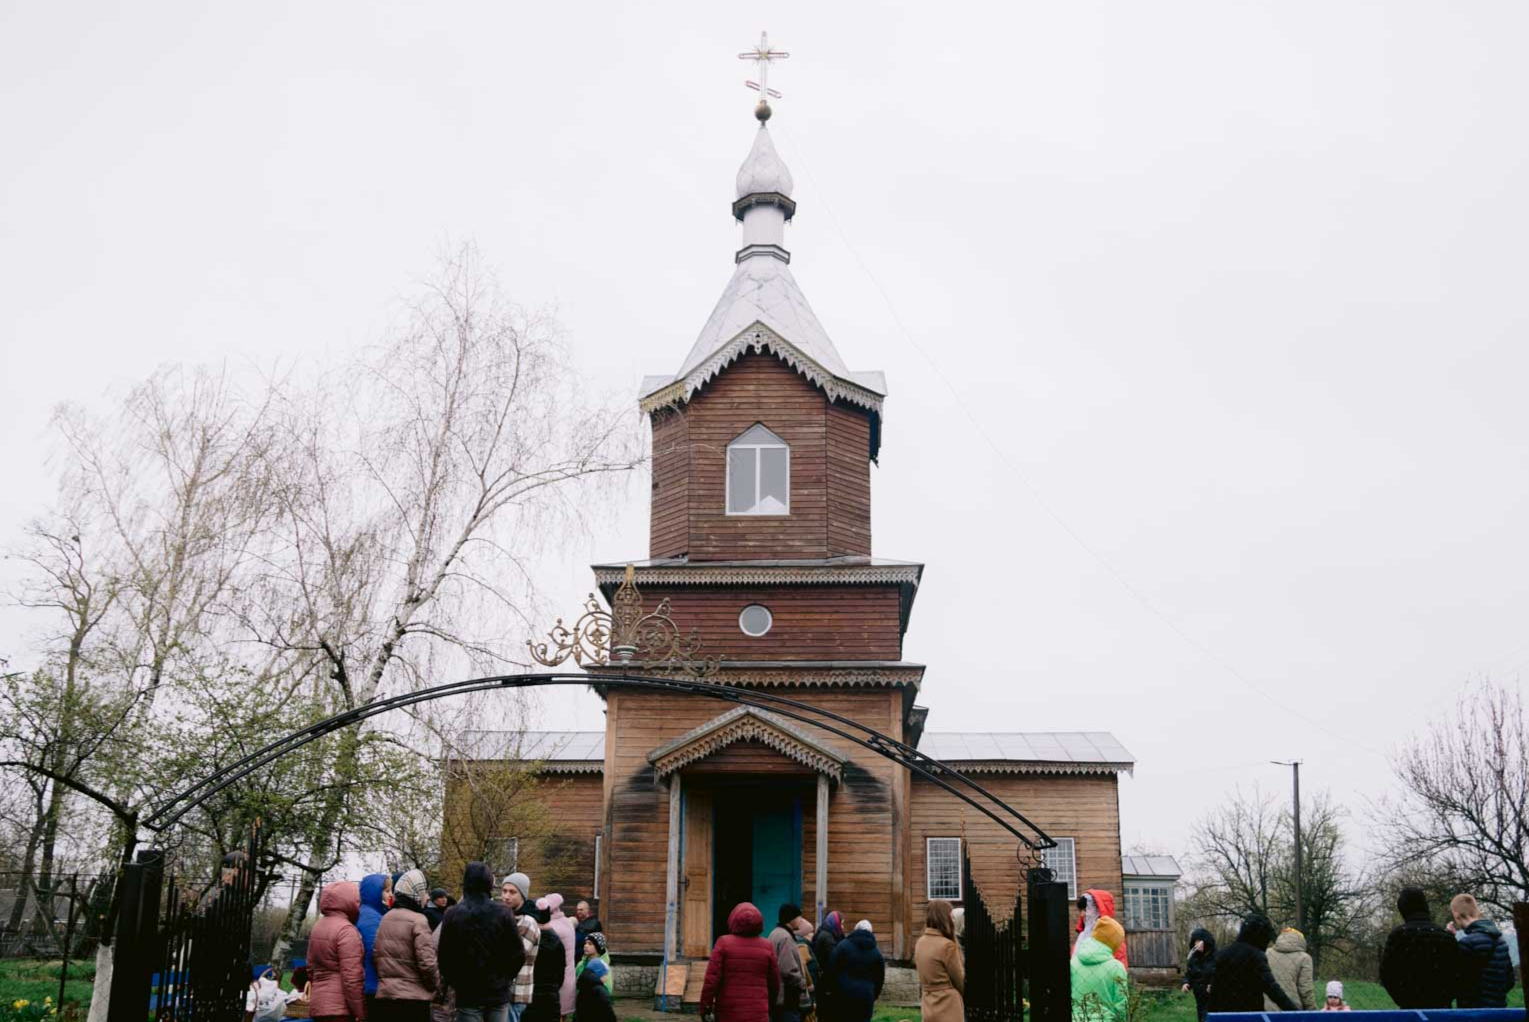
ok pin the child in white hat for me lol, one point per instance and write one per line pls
(1335, 997)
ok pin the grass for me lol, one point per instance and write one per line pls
(32, 979)
(1174, 1006)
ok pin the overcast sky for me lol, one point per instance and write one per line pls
(1204, 323)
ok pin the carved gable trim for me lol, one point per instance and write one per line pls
(759, 337)
(743, 724)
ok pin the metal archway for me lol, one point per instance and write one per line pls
(170, 811)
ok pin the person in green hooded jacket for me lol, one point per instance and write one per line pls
(1098, 978)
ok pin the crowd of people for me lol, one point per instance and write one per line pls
(798, 973)
(1466, 964)
(388, 949)
(391, 949)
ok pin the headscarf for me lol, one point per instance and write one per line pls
(834, 923)
(412, 889)
(864, 924)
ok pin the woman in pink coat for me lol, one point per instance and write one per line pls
(567, 932)
(337, 977)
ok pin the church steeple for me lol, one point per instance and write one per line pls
(763, 440)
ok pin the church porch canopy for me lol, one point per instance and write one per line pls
(741, 725)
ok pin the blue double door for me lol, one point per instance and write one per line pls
(757, 851)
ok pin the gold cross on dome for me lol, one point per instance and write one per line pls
(761, 55)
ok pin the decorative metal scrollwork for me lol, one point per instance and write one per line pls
(624, 635)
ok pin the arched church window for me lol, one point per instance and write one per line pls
(758, 474)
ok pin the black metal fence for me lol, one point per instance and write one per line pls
(183, 944)
(995, 955)
(1008, 964)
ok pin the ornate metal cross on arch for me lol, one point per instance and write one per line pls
(761, 55)
(624, 635)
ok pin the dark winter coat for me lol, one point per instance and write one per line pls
(1486, 967)
(857, 974)
(1243, 978)
(584, 927)
(335, 955)
(547, 973)
(1200, 968)
(592, 1001)
(480, 950)
(1420, 966)
(742, 975)
(828, 937)
(372, 910)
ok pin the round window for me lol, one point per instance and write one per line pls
(755, 619)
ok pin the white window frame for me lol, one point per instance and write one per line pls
(929, 862)
(769, 623)
(727, 482)
(1068, 847)
(597, 868)
(1142, 895)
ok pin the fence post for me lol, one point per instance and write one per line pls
(1050, 979)
(1521, 931)
(137, 932)
(63, 971)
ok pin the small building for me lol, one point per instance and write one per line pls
(1148, 885)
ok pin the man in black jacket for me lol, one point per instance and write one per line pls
(1486, 966)
(1242, 978)
(1420, 966)
(480, 952)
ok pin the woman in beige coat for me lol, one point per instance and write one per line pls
(941, 973)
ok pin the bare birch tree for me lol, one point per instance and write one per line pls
(413, 493)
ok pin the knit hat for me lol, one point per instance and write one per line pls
(522, 883)
(554, 902)
(787, 913)
(598, 940)
(1335, 988)
(1109, 933)
(414, 886)
(864, 924)
(437, 892)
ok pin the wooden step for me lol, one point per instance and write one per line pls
(680, 988)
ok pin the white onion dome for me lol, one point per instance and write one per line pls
(763, 172)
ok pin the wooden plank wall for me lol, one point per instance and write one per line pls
(810, 622)
(849, 481)
(669, 526)
(862, 860)
(1085, 808)
(761, 388)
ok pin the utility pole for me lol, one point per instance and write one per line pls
(1300, 908)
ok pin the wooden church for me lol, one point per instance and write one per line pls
(760, 538)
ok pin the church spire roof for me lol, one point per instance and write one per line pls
(763, 308)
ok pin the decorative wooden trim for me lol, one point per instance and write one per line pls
(745, 724)
(809, 675)
(736, 574)
(759, 337)
(1026, 766)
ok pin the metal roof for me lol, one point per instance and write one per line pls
(1165, 866)
(1094, 751)
(551, 746)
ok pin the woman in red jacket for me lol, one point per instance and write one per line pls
(337, 978)
(742, 976)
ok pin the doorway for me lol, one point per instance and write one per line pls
(757, 852)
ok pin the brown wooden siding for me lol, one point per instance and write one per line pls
(669, 528)
(849, 481)
(861, 833)
(809, 622)
(1084, 808)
